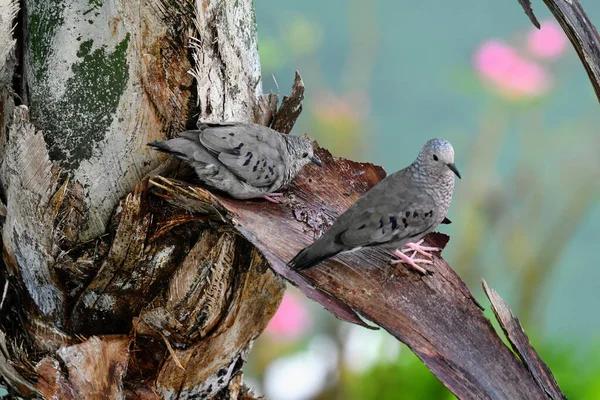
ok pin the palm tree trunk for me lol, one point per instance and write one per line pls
(109, 293)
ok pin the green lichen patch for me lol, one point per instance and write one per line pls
(45, 17)
(79, 118)
(94, 8)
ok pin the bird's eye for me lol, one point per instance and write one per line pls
(304, 155)
(435, 158)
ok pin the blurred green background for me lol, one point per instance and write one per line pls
(382, 77)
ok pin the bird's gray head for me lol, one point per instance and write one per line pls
(437, 156)
(301, 151)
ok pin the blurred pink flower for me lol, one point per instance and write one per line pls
(510, 73)
(548, 42)
(291, 320)
(353, 106)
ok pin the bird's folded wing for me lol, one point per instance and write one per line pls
(250, 153)
(389, 223)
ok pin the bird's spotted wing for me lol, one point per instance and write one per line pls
(251, 152)
(402, 217)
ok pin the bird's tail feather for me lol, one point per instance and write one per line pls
(313, 255)
(166, 147)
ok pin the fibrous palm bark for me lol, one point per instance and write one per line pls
(109, 292)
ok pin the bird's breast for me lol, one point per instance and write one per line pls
(446, 189)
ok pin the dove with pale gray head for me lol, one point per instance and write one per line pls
(244, 160)
(398, 211)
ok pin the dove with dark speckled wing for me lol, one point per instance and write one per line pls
(244, 160)
(398, 211)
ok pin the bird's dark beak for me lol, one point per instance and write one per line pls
(454, 169)
(316, 161)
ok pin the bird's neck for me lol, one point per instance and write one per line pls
(290, 169)
(438, 184)
(287, 143)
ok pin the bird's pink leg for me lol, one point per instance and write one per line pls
(269, 197)
(404, 259)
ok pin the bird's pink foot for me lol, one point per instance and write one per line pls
(417, 248)
(411, 261)
(269, 197)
